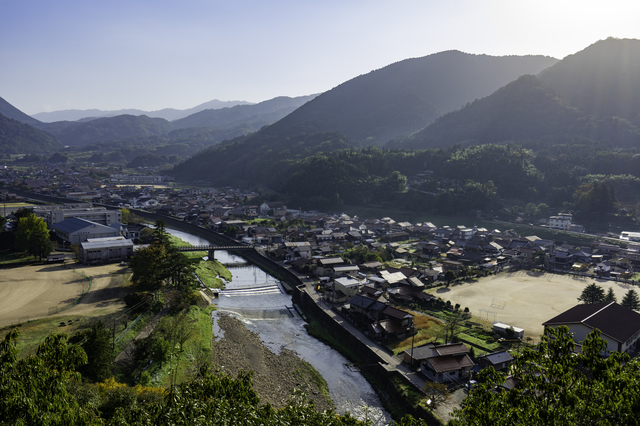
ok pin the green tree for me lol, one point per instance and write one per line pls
(592, 293)
(631, 300)
(33, 390)
(126, 214)
(449, 276)
(96, 343)
(610, 296)
(148, 267)
(32, 236)
(557, 386)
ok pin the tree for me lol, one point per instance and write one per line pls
(96, 343)
(449, 276)
(126, 214)
(631, 300)
(557, 386)
(592, 293)
(148, 266)
(32, 236)
(610, 296)
(33, 390)
(435, 393)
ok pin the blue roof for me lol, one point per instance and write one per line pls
(74, 224)
(498, 357)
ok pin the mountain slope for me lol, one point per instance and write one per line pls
(404, 97)
(602, 80)
(168, 114)
(264, 112)
(17, 137)
(9, 111)
(103, 129)
(594, 94)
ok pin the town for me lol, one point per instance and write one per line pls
(379, 278)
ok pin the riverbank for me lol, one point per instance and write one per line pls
(276, 375)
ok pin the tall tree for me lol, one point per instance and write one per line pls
(610, 296)
(631, 300)
(32, 236)
(592, 293)
(556, 386)
(96, 343)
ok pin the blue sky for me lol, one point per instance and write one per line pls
(63, 54)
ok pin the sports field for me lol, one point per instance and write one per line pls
(523, 299)
(34, 291)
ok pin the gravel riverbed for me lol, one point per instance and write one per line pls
(275, 374)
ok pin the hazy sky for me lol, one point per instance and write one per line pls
(154, 54)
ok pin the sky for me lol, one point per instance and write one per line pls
(154, 54)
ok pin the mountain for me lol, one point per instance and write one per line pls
(593, 94)
(602, 80)
(262, 113)
(20, 138)
(168, 114)
(109, 128)
(406, 96)
(9, 111)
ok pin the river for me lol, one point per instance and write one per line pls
(257, 299)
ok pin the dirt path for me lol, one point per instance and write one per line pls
(275, 375)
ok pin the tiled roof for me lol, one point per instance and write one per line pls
(442, 364)
(611, 319)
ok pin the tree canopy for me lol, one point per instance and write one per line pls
(556, 386)
(32, 236)
(592, 293)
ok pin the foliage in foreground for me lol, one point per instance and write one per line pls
(46, 389)
(557, 387)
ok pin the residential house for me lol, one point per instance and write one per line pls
(441, 363)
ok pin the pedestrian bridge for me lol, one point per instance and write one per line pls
(211, 249)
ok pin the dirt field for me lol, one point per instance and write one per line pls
(30, 291)
(522, 299)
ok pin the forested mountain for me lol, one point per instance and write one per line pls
(168, 114)
(256, 115)
(17, 137)
(602, 80)
(256, 159)
(9, 111)
(102, 129)
(406, 96)
(594, 94)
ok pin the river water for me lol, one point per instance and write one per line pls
(257, 299)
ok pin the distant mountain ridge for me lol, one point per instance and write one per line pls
(217, 124)
(265, 111)
(404, 97)
(168, 114)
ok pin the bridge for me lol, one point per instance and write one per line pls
(211, 248)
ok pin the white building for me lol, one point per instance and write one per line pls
(561, 221)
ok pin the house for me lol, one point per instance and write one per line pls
(500, 361)
(397, 324)
(618, 325)
(441, 363)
